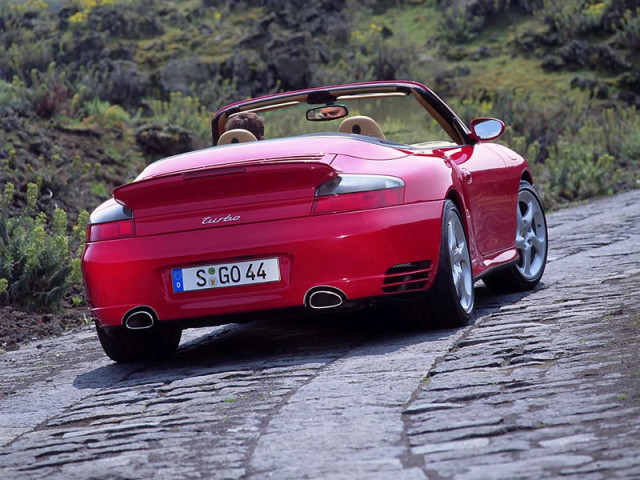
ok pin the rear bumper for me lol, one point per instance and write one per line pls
(349, 251)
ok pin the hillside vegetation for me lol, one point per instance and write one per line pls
(93, 90)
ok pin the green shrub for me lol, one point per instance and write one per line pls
(373, 53)
(104, 114)
(570, 18)
(609, 131)
(24, 38)
(577, 174)
(630, 147)
(459, 26)
(49, 94)
(215, 93)
(38, 257)
(184, 111)
(13, 94)
(628, 33)
(32, 55)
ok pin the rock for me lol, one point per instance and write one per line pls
(578, 54)
(597, 89)
(259, 34)
(63, 17)
(614, 12)
(630, 81)
(526, 6)
(477, 12)
(165, 139)
(124, 83)
(117, 23)
(553, 63)
(605, 57)
(292, 57)
(122, 51)
(179, 74)
(629, 98)
(315, 16)
(575, 53)
(254, 76)
(88, 47)
(527, 41)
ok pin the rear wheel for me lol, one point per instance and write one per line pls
(122, 345)
(531, 242)
(450, 302)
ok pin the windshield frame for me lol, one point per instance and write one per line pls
(444, 116)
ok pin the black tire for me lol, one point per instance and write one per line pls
(532, 242)
(449, 303)
(122, 345)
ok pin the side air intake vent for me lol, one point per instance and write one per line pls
(407, 277)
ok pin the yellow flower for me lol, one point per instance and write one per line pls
(4, 285)
(78, 17)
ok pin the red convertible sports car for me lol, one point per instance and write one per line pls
(359, 194)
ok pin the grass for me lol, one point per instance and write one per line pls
(419, 23)
(520, 72)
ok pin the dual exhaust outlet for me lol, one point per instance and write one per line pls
(319, 298)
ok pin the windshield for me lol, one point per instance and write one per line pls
(398, 115)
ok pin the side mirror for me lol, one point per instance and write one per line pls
(486, 129)
(328, 112)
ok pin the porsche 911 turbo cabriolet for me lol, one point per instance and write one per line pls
(361, 194)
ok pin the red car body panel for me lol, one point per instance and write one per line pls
(138, 273)
(255, 201)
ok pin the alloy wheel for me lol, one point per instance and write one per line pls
(531, 237)
(460, 262)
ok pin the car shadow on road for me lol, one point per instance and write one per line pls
(282, 343)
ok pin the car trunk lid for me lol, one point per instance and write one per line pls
(230, 194)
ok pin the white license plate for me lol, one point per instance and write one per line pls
(222, 275)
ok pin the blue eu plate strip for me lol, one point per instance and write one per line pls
(178, 283)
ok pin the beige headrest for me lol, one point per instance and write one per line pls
(237, 135)
(361, 125)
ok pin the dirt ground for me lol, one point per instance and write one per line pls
(18, 327)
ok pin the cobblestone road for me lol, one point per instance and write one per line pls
(542, 385)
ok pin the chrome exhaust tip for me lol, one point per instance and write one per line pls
(139, 320)
(323, 298)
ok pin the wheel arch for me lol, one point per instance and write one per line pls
(458, 201)
(527, 177)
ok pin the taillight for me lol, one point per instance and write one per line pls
(110, 221)
(111, 230)
(347, 193)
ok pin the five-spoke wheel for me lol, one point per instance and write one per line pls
(460, 262)
(449, 303)
(531, 243)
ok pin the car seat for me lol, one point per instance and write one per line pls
(237, 135)
(361, 125)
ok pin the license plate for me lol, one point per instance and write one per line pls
(225, 275)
